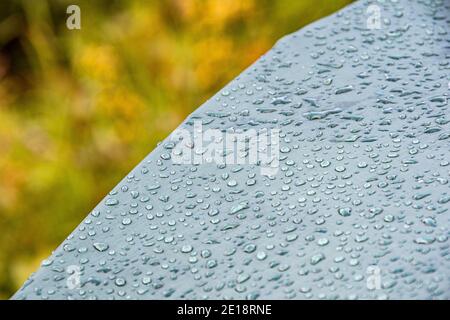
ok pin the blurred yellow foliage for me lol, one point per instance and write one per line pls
(80, 108)
(98, 63)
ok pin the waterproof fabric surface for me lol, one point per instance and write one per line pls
(345, 196)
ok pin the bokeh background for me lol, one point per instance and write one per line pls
(80, 108)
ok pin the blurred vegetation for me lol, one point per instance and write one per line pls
(80, 108)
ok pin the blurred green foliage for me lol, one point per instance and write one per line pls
(80, 108)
